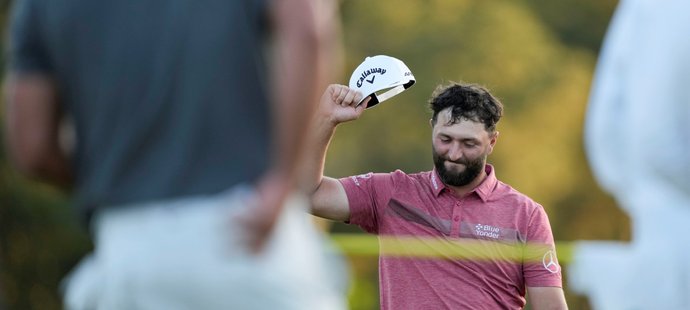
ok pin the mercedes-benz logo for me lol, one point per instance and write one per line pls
(550, 263)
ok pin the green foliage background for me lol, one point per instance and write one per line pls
(538, 57)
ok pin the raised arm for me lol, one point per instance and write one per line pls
(338, 104)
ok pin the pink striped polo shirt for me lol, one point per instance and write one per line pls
(439, 251)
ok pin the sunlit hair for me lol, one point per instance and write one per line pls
(468, 101)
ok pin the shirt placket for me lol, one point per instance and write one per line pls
(455, 219)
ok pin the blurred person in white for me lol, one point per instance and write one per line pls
(189, 118)
(637, 138)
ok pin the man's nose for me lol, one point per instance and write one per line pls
(454, 153)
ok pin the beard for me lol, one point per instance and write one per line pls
(473, 167)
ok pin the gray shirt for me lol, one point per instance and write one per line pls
(168, 97)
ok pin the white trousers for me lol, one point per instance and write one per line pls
(186, 254)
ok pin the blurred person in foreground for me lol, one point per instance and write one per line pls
(188, 119)
(451, 238)
(637, 138)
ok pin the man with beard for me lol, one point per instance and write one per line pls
(451, 238)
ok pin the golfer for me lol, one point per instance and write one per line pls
(445, 235)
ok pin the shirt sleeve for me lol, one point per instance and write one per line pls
(366, 195)
(27, 51)
(540, 263)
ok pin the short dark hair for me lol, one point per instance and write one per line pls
(468, 101)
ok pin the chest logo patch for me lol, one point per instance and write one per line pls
(489, 231)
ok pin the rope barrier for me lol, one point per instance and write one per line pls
(461, 248)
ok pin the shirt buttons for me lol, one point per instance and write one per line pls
(456, 218)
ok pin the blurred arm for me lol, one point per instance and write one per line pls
(305, 34)
(305, 40)
(32, 127)
(546, 298)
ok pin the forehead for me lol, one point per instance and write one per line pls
(463, 129)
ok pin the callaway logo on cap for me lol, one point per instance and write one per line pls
(381, 77)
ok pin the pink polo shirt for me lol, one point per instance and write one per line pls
(444, 252)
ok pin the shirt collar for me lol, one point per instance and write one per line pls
(483, 190)
(487, 186)
(436, 184)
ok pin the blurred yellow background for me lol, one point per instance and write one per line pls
(538, 57)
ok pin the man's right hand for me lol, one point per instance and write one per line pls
(339, 104)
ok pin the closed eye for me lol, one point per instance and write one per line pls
(445, 139)
(470, 142)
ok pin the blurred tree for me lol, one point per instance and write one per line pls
(578, 23)
(41, 242)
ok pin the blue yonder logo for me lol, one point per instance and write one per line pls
(369, 72)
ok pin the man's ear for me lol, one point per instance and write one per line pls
(492, 141)
(431, 122)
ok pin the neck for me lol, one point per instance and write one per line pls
(461, 191)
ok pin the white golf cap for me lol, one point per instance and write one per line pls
(381, 77)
